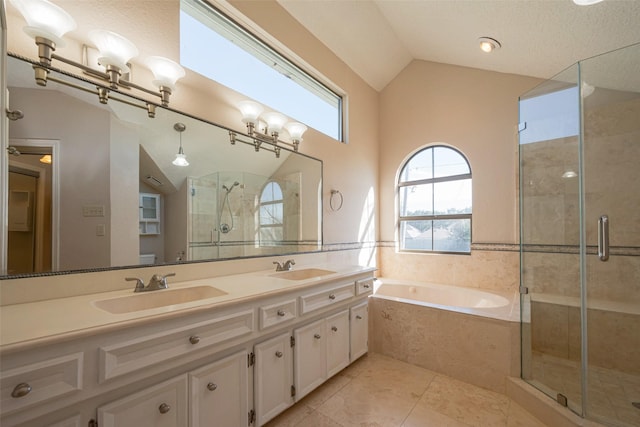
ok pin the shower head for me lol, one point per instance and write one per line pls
(228, 189)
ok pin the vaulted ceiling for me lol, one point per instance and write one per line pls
(540, 38)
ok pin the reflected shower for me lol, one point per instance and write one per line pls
(224, 227)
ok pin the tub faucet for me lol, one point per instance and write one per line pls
(157, 281)
(287, 266)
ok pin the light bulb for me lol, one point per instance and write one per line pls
(275, 121)
(250, 111)
(487, 44)
(165, 71)
(115, 50)
(181, 159)
(45, 19)
(295, 130)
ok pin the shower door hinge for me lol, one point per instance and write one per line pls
(522, 126)
(562, 399)
(524, 290)
(252, 416)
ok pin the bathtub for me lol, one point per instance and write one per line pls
(492, 304)
(469, 334)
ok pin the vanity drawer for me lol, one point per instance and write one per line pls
(316, 300)
(42, 381)
(278, 313)
(133, 355)
(364, 286)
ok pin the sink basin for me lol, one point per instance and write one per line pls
(155, 299)
(306, 273)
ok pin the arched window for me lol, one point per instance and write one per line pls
(434, 196)
(271, 215)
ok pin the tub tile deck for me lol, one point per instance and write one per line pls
(380, 391)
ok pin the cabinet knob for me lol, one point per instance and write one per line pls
(164, 408)
(212, 386)
(358, 317)
(281, 313)
(332, 296)
(334, 328)
(317, 336)
(278, 353)
(366, 286)
(194, 339)
(21, 390)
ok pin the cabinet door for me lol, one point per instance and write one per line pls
(337, 332)
(219, 393)
(163, 405)
(149, 207)
(310, 357)
(359, 330)
(273, 377)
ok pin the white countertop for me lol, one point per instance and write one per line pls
(44, 322)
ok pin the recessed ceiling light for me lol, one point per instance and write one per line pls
(586, 2)
(487, 44)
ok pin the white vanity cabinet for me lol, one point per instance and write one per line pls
(219, 393)
(162, 405)
(234, 364)
(273, 377)
(321, 350)
(359, 325)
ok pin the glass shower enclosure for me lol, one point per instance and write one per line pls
(579, 140)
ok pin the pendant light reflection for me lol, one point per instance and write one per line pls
(46, 159)
(181, 158)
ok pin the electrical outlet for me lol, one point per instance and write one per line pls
(93, 210)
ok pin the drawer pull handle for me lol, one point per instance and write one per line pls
(367, 286)
(164, 408)
(281, 313)
(332, 297)
(334, 328)
(212, 386)
(194, 339)
(317, 336)
(358, 317)
(21, 390)
(278, 353)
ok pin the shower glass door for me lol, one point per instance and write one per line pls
(611, 179)
(550, 238)
(580, 237)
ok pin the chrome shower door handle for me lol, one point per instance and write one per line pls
(603, 238)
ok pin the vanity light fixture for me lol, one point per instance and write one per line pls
(488, 44)
(48, 23)
(181, 158)
(267, 128)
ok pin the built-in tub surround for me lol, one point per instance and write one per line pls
(476, 344)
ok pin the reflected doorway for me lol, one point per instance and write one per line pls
(32, 201)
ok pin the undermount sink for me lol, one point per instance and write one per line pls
(155, 299)
(306, 273)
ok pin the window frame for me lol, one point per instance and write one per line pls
(434, 217)
(232, 25)
(271, 202)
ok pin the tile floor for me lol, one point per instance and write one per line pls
(611, 392)
(378, 391)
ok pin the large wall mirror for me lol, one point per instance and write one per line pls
(94, 186)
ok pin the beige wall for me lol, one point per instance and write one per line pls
(475, 111)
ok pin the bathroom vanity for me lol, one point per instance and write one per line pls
(236, 349)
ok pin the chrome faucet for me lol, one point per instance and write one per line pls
(157, 281)
(287, 266)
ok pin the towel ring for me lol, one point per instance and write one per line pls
(331, 200)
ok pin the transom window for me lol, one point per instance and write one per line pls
(215, 46)
(434, 196)
(271, 214)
